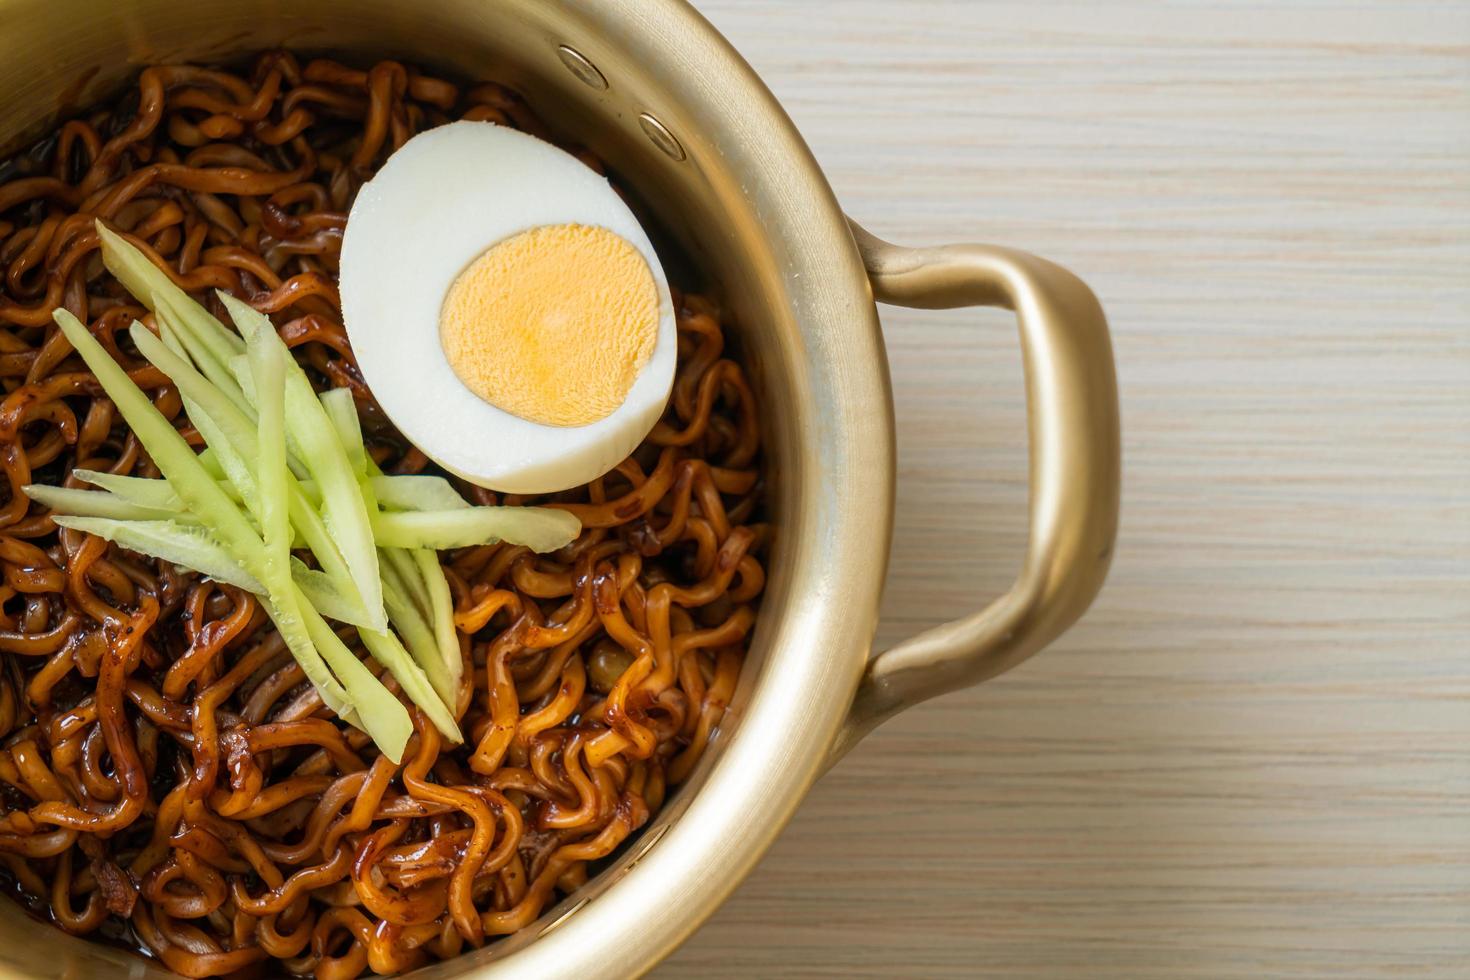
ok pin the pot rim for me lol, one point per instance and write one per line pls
(835, 497)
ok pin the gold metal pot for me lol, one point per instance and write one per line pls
(683, 119)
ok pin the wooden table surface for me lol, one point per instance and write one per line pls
(1252, 758)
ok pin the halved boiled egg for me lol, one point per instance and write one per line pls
(506, 308)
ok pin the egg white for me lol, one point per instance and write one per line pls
(438, 203)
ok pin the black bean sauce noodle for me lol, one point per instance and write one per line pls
(166, 775)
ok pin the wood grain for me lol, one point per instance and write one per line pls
(1253, 757)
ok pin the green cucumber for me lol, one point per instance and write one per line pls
(343, 507)
(76, 502)
(187, 545)
(380, 714)
(541, 529)
(416, 492)
(172, 455)
(441, 613)
(198, 492)
(233, 437)
(418, 635)
(342, 413)
(388, 651)
(134, 489)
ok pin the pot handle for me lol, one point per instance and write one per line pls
(1072, 408)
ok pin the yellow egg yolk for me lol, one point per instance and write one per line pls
(552, 324)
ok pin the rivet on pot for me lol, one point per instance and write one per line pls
(578, 65)
(659, 135)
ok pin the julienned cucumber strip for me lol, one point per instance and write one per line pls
(442, 612)
(416, 628)
(407, 597)
(319, 539)
(314, 532)
(417, 574)
(198, 335)
(376, 710)
(394, 492)
(157, 495)
(203, 497)
(197, 489)
(237, 462)
(134, 489)
(427, 627)
(407, 575)
(418, 635)
(322, 451)
(210, 462)
(388, 651)
(143, 491)
(186, 325)
(184, 545)
(416, 492)
(230, 436)
(146, 281)
(268, 365)
(404, 492)
(226, 431)
(407, 614)
(239, 367)
(288, 622)
(342, 411)
(424, 675)
(98, 503)
(382, 716)
(153, 494)
(233, 437)
(178, 538)
(268, 373)
(541, 529)
(322, 591)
